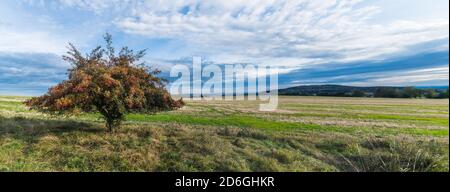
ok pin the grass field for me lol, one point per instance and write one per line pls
(305, 134)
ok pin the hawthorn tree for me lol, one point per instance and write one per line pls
(109, 83)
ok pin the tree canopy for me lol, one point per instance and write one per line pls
(109, 83)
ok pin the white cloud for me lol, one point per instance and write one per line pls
(32, 42)
(414, 76)
(386, 78)
(268, 30)
(40, 26)
(98, 6)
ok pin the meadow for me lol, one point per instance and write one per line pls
(304, 134)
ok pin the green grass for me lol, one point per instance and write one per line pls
(404, 118)
(260, 123)
(305, 134)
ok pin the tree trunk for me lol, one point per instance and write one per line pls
(109, 125)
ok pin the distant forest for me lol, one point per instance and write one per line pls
(382, 92)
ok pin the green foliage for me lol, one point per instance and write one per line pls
(430, 93)
(388, 92)
(358, 93)
(112, 84)
(411, 92)
(444, 94)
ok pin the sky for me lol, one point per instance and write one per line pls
(347, 42)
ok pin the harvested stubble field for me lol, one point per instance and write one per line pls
(305, 134)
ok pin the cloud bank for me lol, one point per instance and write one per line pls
(304, 37)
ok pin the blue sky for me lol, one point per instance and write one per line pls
(362, 42)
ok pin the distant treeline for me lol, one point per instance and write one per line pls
(382, 92)
(410, 92)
